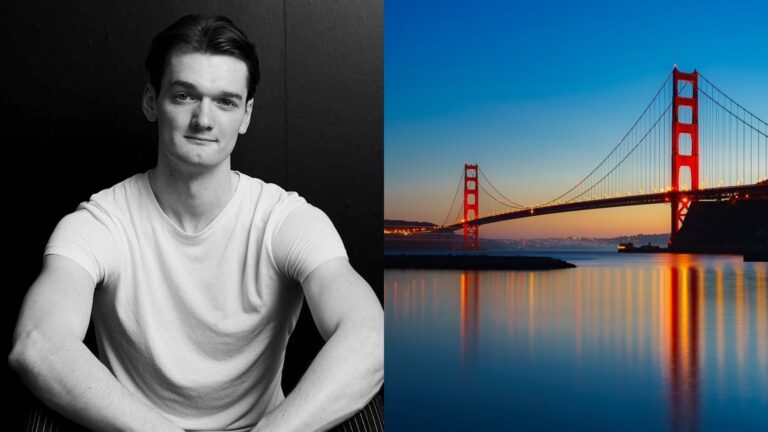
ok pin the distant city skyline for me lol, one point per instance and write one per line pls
(538, 93)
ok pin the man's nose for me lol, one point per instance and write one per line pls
(201, 117)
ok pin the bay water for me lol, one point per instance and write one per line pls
(621, 342)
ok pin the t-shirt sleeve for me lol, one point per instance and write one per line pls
(304, 239)
(84, 236)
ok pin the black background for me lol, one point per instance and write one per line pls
(72, 123)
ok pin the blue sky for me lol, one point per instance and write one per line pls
(537, 93)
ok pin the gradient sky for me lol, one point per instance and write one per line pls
(538, 92)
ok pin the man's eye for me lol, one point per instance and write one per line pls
(228, 102)
(182, 97)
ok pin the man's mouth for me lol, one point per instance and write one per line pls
(200, 138)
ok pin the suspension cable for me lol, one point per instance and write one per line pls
(730, 99)
(461, 177)
(734, 115)
(663, 85)
(625, 157)
(494, 198)
(497, 191)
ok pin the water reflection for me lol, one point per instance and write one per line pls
(688, 335)
(469, 313)
(683, 330)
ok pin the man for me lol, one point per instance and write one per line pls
(190, 272)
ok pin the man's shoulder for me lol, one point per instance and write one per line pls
(93, 229)
(121, 194)
(268, 196)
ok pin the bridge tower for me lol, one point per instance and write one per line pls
(689, 156)
(471, 205)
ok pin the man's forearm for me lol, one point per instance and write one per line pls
(64, 374)
(344, 376)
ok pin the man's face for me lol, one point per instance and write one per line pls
(201, 108)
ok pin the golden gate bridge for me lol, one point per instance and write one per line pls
(691, 143)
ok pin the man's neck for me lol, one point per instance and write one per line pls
(192, 200)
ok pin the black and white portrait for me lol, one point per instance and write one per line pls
(199, 196)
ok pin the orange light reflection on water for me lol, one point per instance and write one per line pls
(470, 314)
(720, 324)
(740, 324)
(463, 313)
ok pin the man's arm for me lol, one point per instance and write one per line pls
(349, 369)
(49, 355)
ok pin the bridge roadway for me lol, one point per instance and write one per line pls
(756, 191)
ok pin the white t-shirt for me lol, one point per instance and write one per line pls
(197, 324)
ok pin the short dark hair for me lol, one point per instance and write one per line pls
(203, 34)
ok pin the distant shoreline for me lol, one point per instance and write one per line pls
(474, 262)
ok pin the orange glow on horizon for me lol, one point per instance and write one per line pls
(610, 222)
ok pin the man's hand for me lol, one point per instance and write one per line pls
(49, 355)
(349, 370)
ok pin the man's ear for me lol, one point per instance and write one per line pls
(149, 103)
(247, 117)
